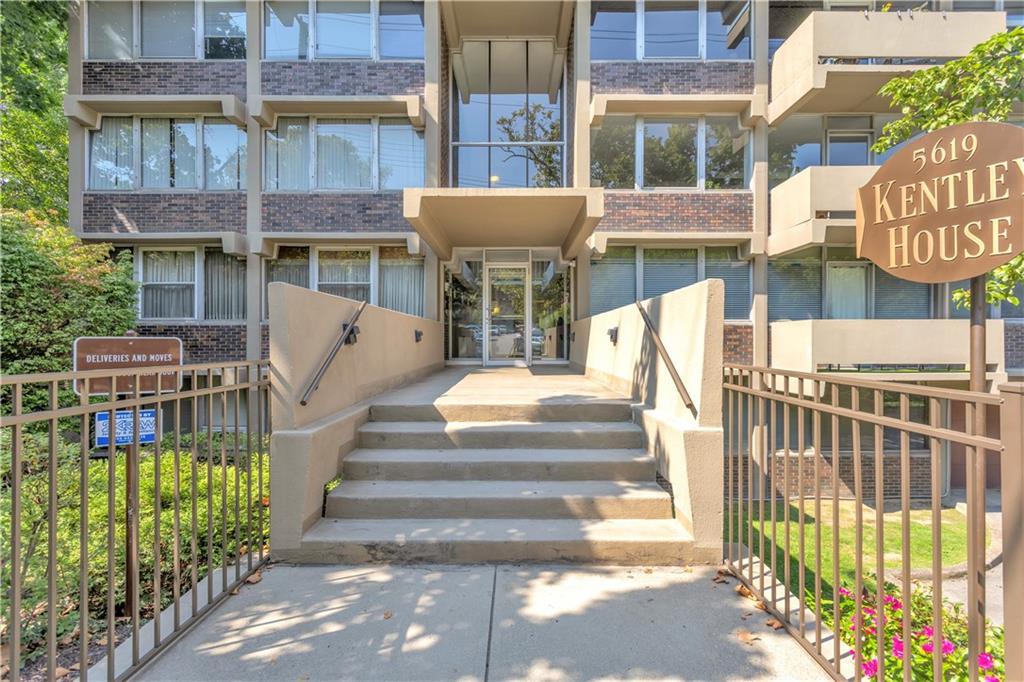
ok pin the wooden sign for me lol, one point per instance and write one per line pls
(947, 206)
(128, 352)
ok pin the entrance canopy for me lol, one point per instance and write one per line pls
(448, 218)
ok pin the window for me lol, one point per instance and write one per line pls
(350, 154)
(224, 154)
(291, 267)
(168, 28)
(670, 29)
(344, 272)
(678, 153)
(613, 279)
(111, 154)
(165, 153)
(897, 299)
(401, 281)
(846, 286)
(224, 29)
(1010, 310)
(343, 29)
(666, 270)
(223, 286)
(722, 262)
(110, 32)
(168, 284)
(169, 153)
(794, 286)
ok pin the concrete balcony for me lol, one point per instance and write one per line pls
(816, 206)
(837, 61)
(885, 347)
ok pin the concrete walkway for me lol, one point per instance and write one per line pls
(484, 622)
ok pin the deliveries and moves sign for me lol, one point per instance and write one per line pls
(947, 206)
(128, 352)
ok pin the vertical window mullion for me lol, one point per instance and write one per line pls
(313, 262)
(701, 152)
(200, 153)
(136, 153)
(375, 153)
(641, 27)
(311, 141)
(311, 39)
(199, 284)
(200, 32)
(638, 161)
(374, 274)
(136, 28)
(702, 28)
(701, 264)
(375, 30)
(638, 271)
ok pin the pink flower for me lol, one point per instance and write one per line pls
(845, 592)
(870, 668)
(985, 660)
(947, 647)
(992, 678)
(926, 631)
(897, 648)
(895, 603)
(928, 647)
(869, 611)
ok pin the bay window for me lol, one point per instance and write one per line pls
(166, 29)
(343, 29)
(181, 153)
(343, 154)
(670, 29)
(670, 153)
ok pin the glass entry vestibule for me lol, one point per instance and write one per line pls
(507, 307)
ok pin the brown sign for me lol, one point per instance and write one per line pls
(947, 206)
(128, 352)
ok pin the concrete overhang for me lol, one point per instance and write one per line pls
(89, 110)
(816, 232)
(749, 243)
(265, 110)
(266, 244)
(448, 218)
(231, 242)
(748, 106)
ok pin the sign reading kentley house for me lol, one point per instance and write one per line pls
(947, 206)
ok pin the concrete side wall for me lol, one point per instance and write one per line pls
(687, 445)
(342, 77)
(671, 77)
(677, 211)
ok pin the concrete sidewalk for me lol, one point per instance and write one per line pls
(484, 622)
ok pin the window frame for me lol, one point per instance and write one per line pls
(200, 123)
(314, 267)
(198, 254)
(311, 141)
(311, 39)
(198, 37)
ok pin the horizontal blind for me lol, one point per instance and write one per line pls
(901, 299)
(794, 289)
(613, 279)
(666, 270)
(723, 263)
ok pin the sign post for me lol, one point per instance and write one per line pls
(946, 207)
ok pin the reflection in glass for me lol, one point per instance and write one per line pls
(169, 153)
(401, 154)
(287, 155)
(224, 153)
(285, 29)
(793, 146)
(508, 91)
(550, 299)
(671, 28)
(343, 148)
(507, 314)
(224, 29)
(110, 29)
(168, 28)
(849, 149)
(344, 272)
(471, 167)
(464, 303)
(670, 153)
(725, 163)
(401, 29)
(110, 154)
(728, 29)
(613, 153)
(343, 28)
(613, 29)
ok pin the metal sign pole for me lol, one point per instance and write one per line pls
(976, 469)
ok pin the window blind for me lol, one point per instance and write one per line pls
(794, 289)
(613, 279)
(666, 270)
(723, 263)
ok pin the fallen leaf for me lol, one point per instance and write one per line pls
(760, 605)
(719, 579)
(61, 672)
(648, 570)
(747, 637)
(235, 592)
(775, 624)
(387, 615)
(726, 573)
(254, 578)
(744, 591)
(265, 501)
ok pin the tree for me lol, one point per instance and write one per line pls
(982, 86)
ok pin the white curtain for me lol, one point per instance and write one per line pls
(401, 154)
(847, 292)
(168, 284)
(169, 153)
(168, 28)
(345, 273)
(110, 29)
(287, 155)
(224, 153)
(401, 281)
(110, 154)
(343, 148)
(224, 286)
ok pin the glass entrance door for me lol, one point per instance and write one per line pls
(505, 315)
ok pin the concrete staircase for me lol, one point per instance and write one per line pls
(565, 480)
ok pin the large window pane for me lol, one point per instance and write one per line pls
(287, 155)
(728, 23)
(401, 29)
(291, 267)
(470, 99)
(613, 153)
(110, 154)
(285, 29)
(671, 28)
(613, 29)
(401, 280)
(543, 166)
(343, 148)
(670, 153)
(613, 279)
(897, 299)
(508, 91)
(794, 287)
(721, 262)
(725, 161)
(345, 273)
(168, 28)
(224, 154)
(550, 298)
(169, 153)
(168, 284)
(508, 167)
(849, 149)
(342, 28)
(401, 154)
(224, 29)
(666, 270)
(794, 146)
(471, 166)
(464, 307)
(110, 29)
(223, 286)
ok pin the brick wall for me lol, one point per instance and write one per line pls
(119, 212)
(330, 212)
(342, 77)
(1013, 340)
(677, 211)
(738, 344)
(671, 78)
(144, 77)
(202, 342)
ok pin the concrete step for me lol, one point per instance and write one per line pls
(616, 541)
(500, 464)
(497, 434)
(512, 408)
(499, 499)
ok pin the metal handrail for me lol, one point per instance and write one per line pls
(663, 352)
(346, 331)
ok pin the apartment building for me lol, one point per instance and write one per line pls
(510, 167)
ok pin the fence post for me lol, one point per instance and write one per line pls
(1011, 422)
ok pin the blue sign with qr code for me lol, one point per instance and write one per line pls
(124, 428)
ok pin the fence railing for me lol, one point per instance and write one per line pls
(840, 524)
(126, 517)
